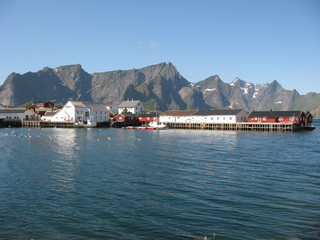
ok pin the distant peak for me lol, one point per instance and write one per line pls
(235, 81)
(275, 83)
(71, 66)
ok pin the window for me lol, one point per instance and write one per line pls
(224, 118)
(217, 118)
(87, 114)
(230, 118)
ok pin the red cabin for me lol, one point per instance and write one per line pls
(277, 117)
(148, 117)
(126, 119)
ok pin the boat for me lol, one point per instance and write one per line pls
(130, 127)
(156, 125)
(141, 127)
(85, 124)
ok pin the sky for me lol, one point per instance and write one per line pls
(256, 40)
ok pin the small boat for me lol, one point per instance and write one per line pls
(130, 127)
(141, 127)
(156, 125)
(86, 124)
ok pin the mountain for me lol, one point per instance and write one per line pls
(159, 87)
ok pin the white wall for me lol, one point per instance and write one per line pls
(12, 116)
(134, 110)
(98, 115)
(75, 113)
(242, 116)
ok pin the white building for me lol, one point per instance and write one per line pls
(176, 116)
(16, 114)
(205, 116)
(79, 112)
(220, 116)
(134, 107)
(112, 107)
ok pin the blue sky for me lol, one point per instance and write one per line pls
(256, 40)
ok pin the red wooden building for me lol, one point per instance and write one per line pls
(127, 119)
(279, 117)
(42, 108)
(148, 117)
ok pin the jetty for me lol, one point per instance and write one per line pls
(47, 124)
(241, 126)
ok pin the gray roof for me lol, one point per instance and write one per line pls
(91, 105)
(128, 104)
(51, 113)
(275, 113)
(13, 110)
(95, 106)
(217, 112)
(148, 114)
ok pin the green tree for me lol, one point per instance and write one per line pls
(27, 105)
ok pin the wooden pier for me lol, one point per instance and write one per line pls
(45, 124)
(240, 126)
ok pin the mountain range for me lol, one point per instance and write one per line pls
(160, 87)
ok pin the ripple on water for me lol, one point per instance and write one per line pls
(118, 184)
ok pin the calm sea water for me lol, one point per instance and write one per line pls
(168, 184)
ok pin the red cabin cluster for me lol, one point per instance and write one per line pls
(129, 119)
(299, 117)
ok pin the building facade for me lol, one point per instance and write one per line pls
(79, 112)
(279, 117)
(113, 108)
(134, 107)
(205, 116)
(16, 114)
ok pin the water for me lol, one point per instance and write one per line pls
(169, 184)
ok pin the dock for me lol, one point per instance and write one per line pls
(46, 124)
(240, 126)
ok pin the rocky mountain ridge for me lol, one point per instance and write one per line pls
(159, 87)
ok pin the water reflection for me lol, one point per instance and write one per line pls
(64, 142)
(65, 157)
